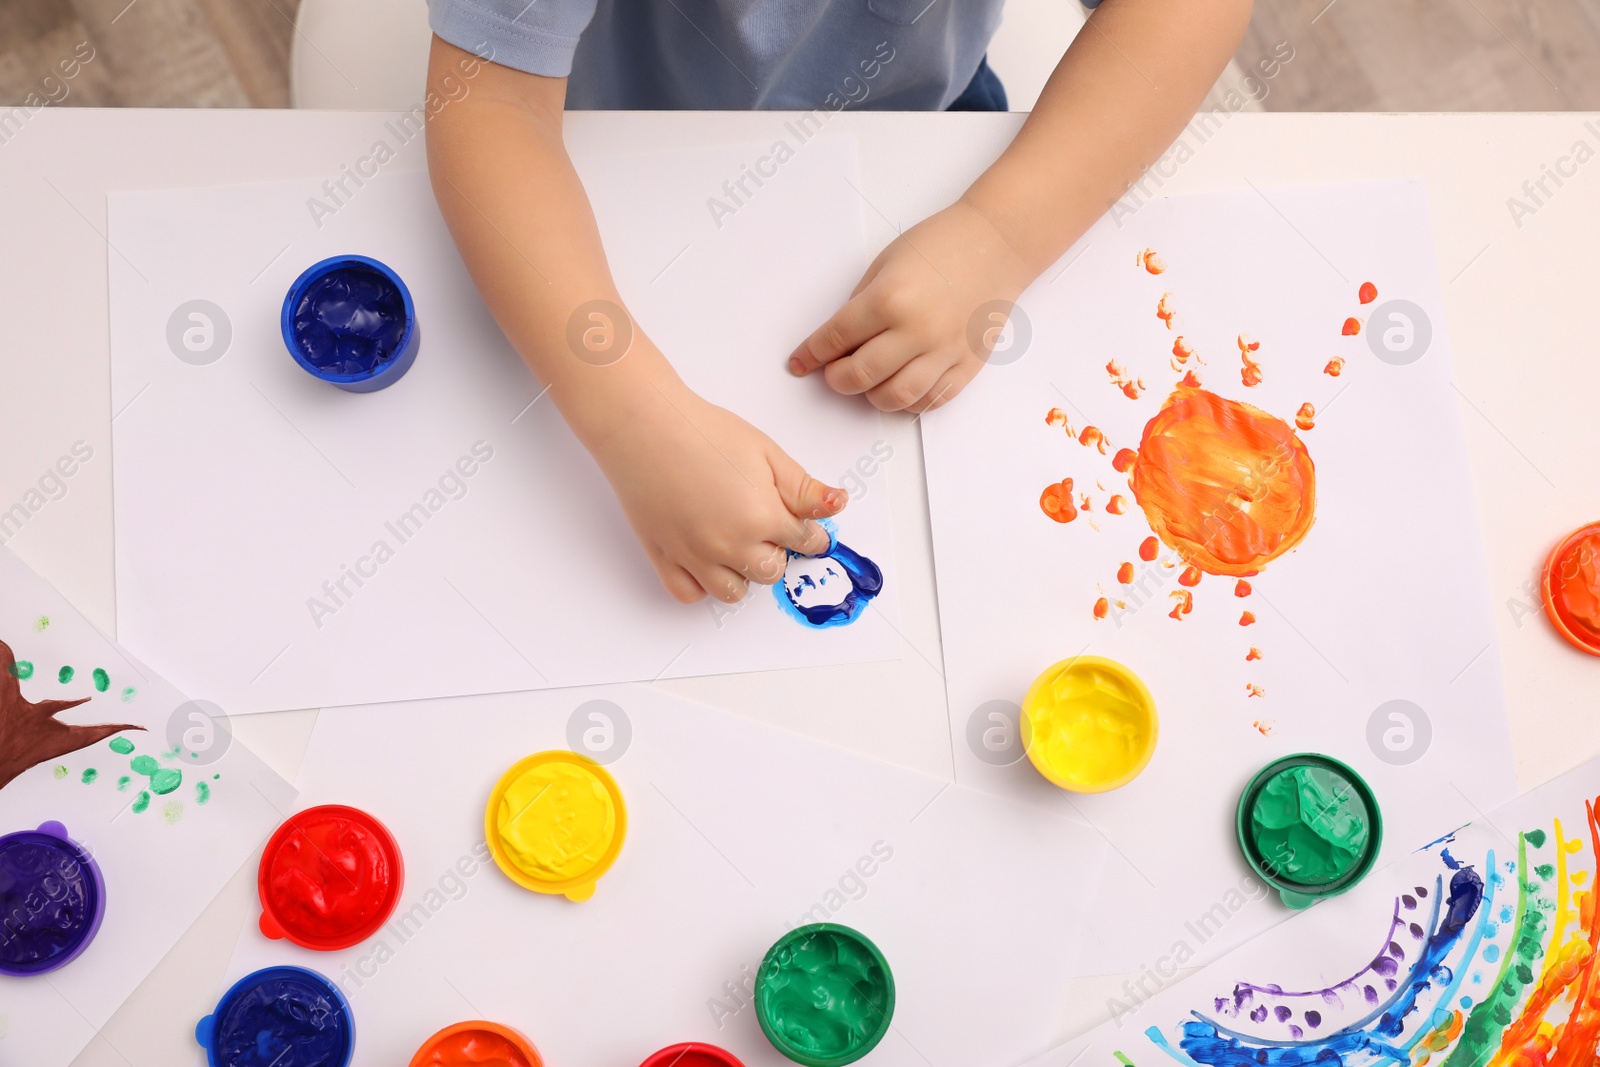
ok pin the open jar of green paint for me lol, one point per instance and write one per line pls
(824, 995)
(1310, 827)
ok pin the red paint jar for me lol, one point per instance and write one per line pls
(692, 1054)
(330, 876)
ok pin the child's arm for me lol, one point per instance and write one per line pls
(1131, 80)
(713, 500)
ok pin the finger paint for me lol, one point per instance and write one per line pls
(831, 589)
(1310, 827)
(1226, 485)
(477, 1044)
(1571, 588)
(692, 1054)
(825, 995)
(1089, 724)
(555, 823)
(52, 896)
(277, 1016)
(349, 321)
(330, 876)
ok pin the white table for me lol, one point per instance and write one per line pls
(1521, 311)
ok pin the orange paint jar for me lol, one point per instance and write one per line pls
(1571, 588)
(477, 1044)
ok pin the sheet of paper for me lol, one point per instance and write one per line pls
(1478, 948)
(282, 543)
(1372, 638)
(168, 827)
(736, 832)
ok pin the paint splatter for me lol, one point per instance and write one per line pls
(140, 803)
(1092, 436)
(1117, 504)
(121, 746)
(202, 792)
(128, 694)
(1183, 603)
(122, 783)
(171, 811)
(1253, 655)
(1253, 690)
(1263, 727)
(1101, 608)
(1190, 577)
(1251, 372)
(1367, 293)
(89, 775)
(1241, 588)
(1131, 387)
(22, 669)
(60, 772)
(1164, 310)
(1182, 353)
(1247, 619)
(1057, 417)
(163, 780)
(1123, 461)
(1334, 368)
(1151, 261)
(64, 675)
(1125, 574)
(41, 624)
(1056, 501)
(1084, 503)
(1306, 417)
(1351, 327)
(102, 680)
(1148, 549)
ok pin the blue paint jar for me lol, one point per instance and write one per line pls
(279, 1017)
(52, 898)
(349, 321)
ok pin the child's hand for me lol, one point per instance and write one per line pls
(712, 499)
(908, 336)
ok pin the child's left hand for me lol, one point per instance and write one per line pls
(907, 337)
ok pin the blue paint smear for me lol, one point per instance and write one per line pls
(48, 901)
(1205, 1043)
(821, 580)
(283, 1022)
(350, 320)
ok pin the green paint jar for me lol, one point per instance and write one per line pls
(824, 996)
(1310, 827)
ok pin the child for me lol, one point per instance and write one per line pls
(716, 503)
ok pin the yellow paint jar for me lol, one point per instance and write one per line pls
(1089, 724)
(555, 823)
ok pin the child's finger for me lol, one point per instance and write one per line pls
(804, 496)
(679, 582)
(950, 383)
(851, 326)
(906, 386)
(767, 564)
(724, 583)
(805, 537)
(872, 364)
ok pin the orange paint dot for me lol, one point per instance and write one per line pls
(1334, 368)
(1248, 343)
(1253, 654)
(1092, 436)
(1123, 460)
(1151, 261)
(1101, 608)
(1084, 503)
(1116, 505)
(1131, 388)
(1125, 574)
(1242, 588)
(1306, 417)
(1182, 352)
(1251, 689)
(1251, 372)
(1351, 327)
(1148, 549)
(1262, 728)
(1247, 619)
(1164, 310)
(1190, 576)
(1226, 485)
(1057, 417)
(1056, 501)
(1183, 603)
(1368, 293)
(1190, 380)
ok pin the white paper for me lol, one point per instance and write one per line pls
(162, 865)
(244, 485)
(1379, 934)
(1386, 599)
(736, 832)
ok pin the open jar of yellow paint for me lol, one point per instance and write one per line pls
(555, 823)
(1089, 724)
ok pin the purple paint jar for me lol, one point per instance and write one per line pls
(52, 898)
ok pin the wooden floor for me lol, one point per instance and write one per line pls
(1349, 55)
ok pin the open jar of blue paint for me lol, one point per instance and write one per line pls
(52, 898)
(279, 1015)
(349, 321)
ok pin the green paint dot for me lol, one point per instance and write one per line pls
(128, 694)
(102, 680)
(42, 623)
(122, 783)
(172, 811)
(1535, 838)
(145, 765)
(64, 675)
(89, 775)
(22, 669)
(166, 780)
(216, 776)
(141, 802)
(1545, 871)
(61, 771)
(121, 746)
(202, 792)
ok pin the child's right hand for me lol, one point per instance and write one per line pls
(713, 500)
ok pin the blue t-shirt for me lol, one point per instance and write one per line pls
(910, 55)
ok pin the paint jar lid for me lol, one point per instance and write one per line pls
(477, 1041)
(824, 995)
(1571, 588)
(330, 876)
(53, 898)
(1064, 731)
(270, 1012)
(691, 1054)
(349, 321)
(1309, 826)
(555, 823)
